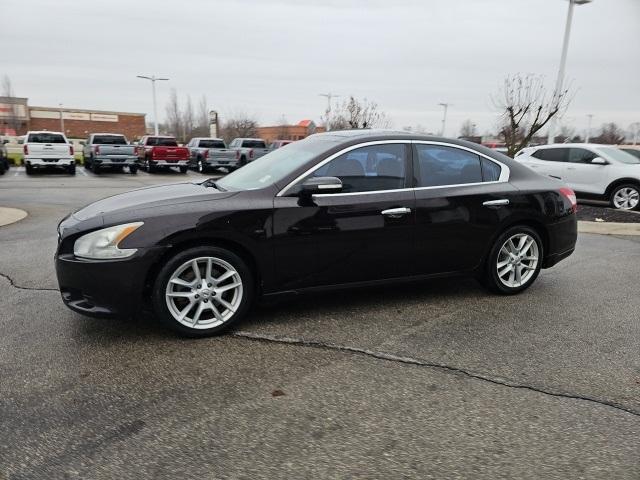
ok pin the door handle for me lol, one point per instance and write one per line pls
(496, 203)
(396, 212)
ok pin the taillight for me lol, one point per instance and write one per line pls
(570, 195)
(237, 154)
(206, 154)
(71, 149)
(25, 149)
(96, 149)
(250, 153)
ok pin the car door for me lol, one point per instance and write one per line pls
(584, 176)
(364, 233)
(548, 161)
(461, 198)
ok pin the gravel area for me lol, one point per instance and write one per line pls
(591, 214)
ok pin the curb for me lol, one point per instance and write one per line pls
(11, 215)
(609, 228)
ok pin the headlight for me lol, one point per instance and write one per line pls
(103, 244)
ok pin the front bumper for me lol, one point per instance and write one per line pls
(50, 162)
(105, 288)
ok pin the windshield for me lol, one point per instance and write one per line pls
(619, 155)
(631, 151)
(276, 165)
(109, 140)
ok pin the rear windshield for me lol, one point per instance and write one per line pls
(253, 144)
(46, 138)
(109, 140)
(212, 144)
(162, 142)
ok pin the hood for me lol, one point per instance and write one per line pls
(155, 196)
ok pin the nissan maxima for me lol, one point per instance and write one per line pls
(336, 210)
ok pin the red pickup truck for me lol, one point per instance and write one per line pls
(160, 152)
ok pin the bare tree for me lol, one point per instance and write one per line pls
(12, 119)
(239, 125)
(188, 121)
(358, 114)
(202, 119)
(468, 129)
(174, 117)
(610, 134)
(526, 107)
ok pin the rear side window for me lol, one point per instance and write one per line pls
(439, 165)
(162, 142)
(253, 144)
(490, 170)
(46, 138)
(551, 154)
(109, 140)
(211, 144)
(581, 155)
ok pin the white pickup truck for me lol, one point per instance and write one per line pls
(48, 149)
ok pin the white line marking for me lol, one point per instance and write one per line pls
(84, 173)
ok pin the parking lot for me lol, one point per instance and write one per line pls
(431, 380)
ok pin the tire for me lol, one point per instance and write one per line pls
(95, 168)
(29, 169)
(625, 197)
(183, 169)
(201, 167)
(71, 170)
(150, 168)
(507, 284)
(180, 267)
(133, 169)
(243, 161)
(3, 167)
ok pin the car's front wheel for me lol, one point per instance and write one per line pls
(626, 197)
(202, 291)
(515, 261)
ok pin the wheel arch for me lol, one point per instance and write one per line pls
(532, 223)
(236, 247)
(620, 181)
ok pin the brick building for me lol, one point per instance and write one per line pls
(289, 132)
(17, 117)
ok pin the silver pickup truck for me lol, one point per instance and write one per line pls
(210, 153)
(109, 150)
(248, 149)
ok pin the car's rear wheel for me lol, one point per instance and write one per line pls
(202, 291)
(183, 169)
(515, 261)
(201, 167)
(626, 197)
(29, 169)
(133, 169)
(71, 169)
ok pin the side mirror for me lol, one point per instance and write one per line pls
(315, 185)
(599, 161)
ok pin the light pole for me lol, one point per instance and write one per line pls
(563, 62)
(590, 116)
(444, 117)
(61, 119)
(153, 79)
(329, 97)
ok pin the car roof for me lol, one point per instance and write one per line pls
(207, 138)
(572, 145)
(106, 134)
(44, 131)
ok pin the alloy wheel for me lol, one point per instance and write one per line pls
(204, 292)
(626, 198)
(517, 260)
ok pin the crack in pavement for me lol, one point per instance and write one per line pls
(20, 287)
(423, 363)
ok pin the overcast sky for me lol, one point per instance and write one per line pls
(273, 57)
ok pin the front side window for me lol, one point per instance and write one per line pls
(439, 165)
(581, 155)
(551, 154)
(368, 169)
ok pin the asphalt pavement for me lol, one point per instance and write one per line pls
(431, 380)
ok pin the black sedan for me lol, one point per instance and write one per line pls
(336, 210)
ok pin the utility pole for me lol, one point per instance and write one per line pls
(444, 117)
(590, 116)
(563, 63)
(153, 79)
(329, 96)
(61, 119)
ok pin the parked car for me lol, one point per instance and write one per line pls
(109, 150)
(248, 149)
(279, 144)
(162, 152)
(308, 217)
(210, 153)
(4, 157)
(631, 149)
(596, 172)
(47, 149)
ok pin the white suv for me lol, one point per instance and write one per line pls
(48, 149)
(597, 172)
